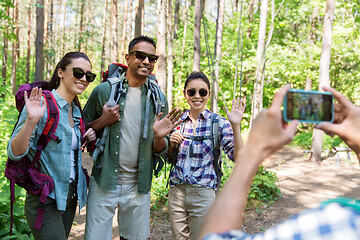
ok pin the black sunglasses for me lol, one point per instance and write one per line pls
(79, 73)
(142, 56)
(202, 92)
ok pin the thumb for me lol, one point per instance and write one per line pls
(328, 128)
(159, 116)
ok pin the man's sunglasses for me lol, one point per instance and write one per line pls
(142, 56)
(202, 92)
(79, 73)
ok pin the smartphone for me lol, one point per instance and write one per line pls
(308, 106)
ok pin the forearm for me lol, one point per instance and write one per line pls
(227, 211)
(21, 141)
(238, 141)
(97, 124)
(159, 144)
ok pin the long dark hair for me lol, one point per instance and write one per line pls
(65, 61)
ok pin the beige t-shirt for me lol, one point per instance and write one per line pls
(130, 137)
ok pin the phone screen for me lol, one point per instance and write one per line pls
(309, 106)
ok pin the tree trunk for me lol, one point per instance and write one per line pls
(5, 52)
(39, 42)
(129, 33)
(102, 65)
(183, 43)
(139, 19)
(28, 52)
(218, 42)
(197, 33)
(312, 40)
(161, 44)
(123, 37)
(15, 46)
(324, 78)
(81, 26)
(62, 27)
(170, 58)
(115, 33)
(251, 17)
(258, 86)
(49, 42)
(176, 17)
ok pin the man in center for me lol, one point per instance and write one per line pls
(136, 136)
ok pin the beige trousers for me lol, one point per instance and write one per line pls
(188, 206)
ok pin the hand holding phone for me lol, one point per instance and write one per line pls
(308, 106)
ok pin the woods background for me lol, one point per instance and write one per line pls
(248, 49)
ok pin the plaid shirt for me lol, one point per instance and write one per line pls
(202, 171)
(331, 221)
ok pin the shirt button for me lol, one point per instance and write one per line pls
(116, 153)
(116, 170)
(117, 136)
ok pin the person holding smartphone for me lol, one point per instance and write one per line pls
(335, 219)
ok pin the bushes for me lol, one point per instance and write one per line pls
(8, 116)
(264, 187)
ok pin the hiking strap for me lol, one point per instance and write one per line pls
(216, 147)
(116, 90)
(47, 134)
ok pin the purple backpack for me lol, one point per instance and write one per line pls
(24, 172)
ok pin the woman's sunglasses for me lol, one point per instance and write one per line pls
(202, 92)
(79, 73)
(142, 56)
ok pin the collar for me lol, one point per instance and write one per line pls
(206, 114)
(62, 103)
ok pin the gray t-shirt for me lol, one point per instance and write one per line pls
(130, 137)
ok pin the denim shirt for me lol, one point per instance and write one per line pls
(55, 158)
(109, 159)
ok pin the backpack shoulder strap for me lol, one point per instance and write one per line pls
(51, 125)
(214, 131)
(116, 90)
(215, 144)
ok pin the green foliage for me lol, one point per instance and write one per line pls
(264, 187)
(8, 116)
(303, 139)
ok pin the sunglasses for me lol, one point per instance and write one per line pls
(79, 73)
(202, 92)
(142, 56)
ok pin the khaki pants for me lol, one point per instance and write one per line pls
(56, 224)
(133, 212)
(188, 206)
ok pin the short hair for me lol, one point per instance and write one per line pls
(197, 75)
(141, 38)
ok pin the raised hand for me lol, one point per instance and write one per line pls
(237, 111)
(346, 122)
(164, 126)
(35, 106)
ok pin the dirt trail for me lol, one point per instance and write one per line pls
(303, 184)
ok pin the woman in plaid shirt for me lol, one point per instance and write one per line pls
(193, 181)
